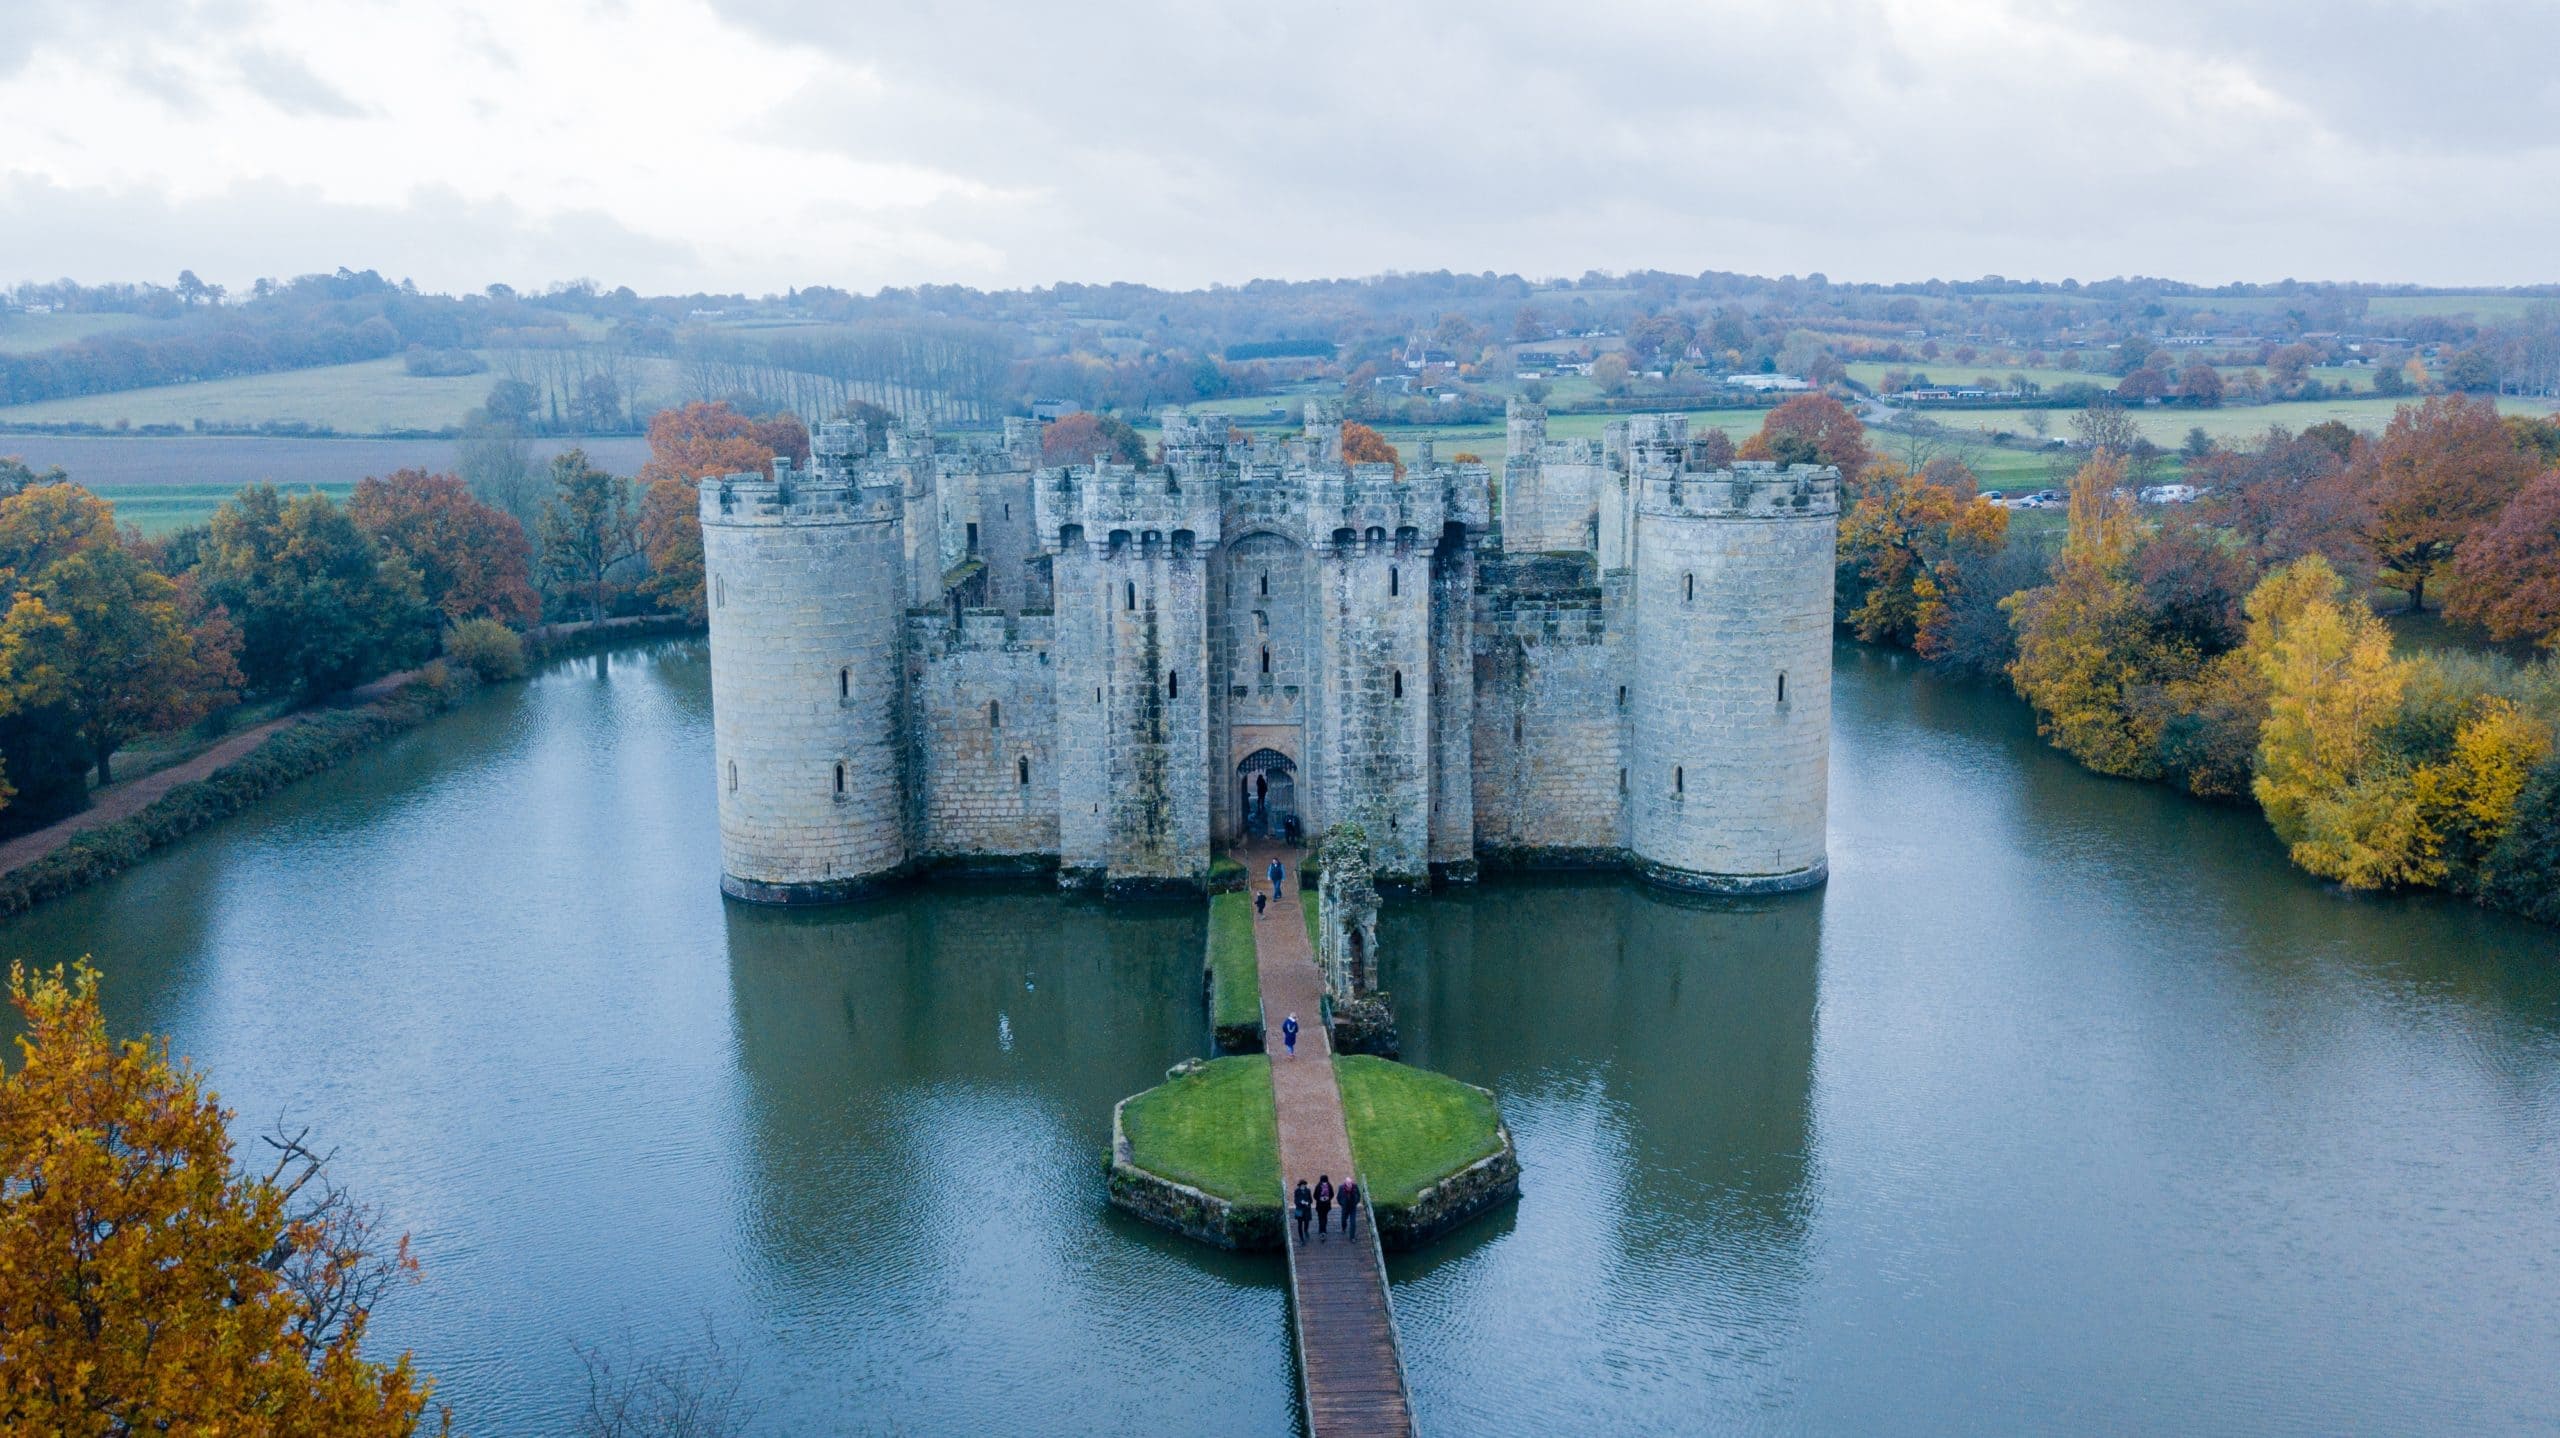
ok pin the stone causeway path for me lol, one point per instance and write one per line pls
(1351, 1372)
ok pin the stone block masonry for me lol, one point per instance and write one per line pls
(948, 655)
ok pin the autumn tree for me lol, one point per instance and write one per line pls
(2506, 575)
(2288, 495)
(2332, 684)
(2442, 470)
(589, 526)
(687, 446)
(1363, 445)
(319, 607)
(1906, 539)
(1086, 437)
(2200, 383)
(146, 1286)
(2089, 649)
(473, 560)
(1812, 429)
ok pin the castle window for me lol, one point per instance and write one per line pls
(844, 683)
(839, 781)
(1132, 600)
(1515, 728)
(1266, 658)
(733, 776)
(995, 715)
(1266, 581)
(1022, 770)
(1690, 581)
(1392, 582)
(1397, 680)
(1679, 782)
(973, 539)
(1782, 686)
(1622, 781)
(719, 591)
(1173, 684)
(1008, 511)
(1622, 696)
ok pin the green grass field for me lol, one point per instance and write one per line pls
(369, 397)
(2484, 308)
(1216, 1130)
(1235, 980)
(24, 334)
(1411, 1128)
(157, 509)
(1947, 371)
(2166, 426)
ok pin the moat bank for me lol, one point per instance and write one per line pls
(2067, 1105)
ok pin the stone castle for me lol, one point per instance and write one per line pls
(936, 657)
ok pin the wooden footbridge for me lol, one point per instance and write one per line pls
(1350, 1367)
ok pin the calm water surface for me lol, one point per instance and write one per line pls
(2066, 1107)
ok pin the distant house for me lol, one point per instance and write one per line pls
(1766, 382)
(704, 314)
(1045, 410)
(1394, 383)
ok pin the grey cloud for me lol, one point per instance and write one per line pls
(259, 228)
(291, 86)
(1165, 141)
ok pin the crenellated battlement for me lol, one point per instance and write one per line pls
(1106, 505)
(1749, 489)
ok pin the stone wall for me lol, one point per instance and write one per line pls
(982, 720)
(1550, 713)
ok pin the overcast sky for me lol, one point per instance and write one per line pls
(676, 145)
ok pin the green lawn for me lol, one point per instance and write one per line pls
(1235, 981)
(2485, 308)
(157, 509)
(1215, 1130)
(1307, 905)
(2167, 425)
(1945, 370)
(369, 397)
(25, 334)
(1411, 1128)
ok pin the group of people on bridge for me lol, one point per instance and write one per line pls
(1317, 1203)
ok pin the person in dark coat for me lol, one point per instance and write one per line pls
(1349, 1197)
(1306, 1206)
(1324, 1200)
(1277, 873)
(1258, 901)
(1289, 1034)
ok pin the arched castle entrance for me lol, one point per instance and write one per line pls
(1267, 792)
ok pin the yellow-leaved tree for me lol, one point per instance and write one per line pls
(2348, 810)
(147, 1287)
(2085, 643)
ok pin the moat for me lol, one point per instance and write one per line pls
(2067, 1105)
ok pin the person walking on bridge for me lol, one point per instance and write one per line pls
(1305, 1202)
(1324, 1201)
(1349, 1197)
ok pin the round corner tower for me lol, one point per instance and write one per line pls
(1730, 762)
(803, 577)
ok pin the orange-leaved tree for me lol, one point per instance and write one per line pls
(473, 559)
(147, 1287)
(1363, 445)
(1084, 437)
(686, 446)
(2507, 574)
(1812, 429)
(2442, 470)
